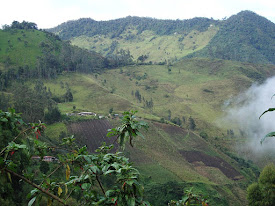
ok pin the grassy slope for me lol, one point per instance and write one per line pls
(194, 88)
(158, 47)
(245, 37)
(21, 46)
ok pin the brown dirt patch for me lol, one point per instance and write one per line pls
(91, 133)
(195, 156)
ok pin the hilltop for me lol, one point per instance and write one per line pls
(154, 40)
(245, 37)
(114, 28)
(27, 52)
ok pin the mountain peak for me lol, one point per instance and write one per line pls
(250, 16)
(247, 12)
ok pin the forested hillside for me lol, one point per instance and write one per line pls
(245, 37)
(29, 53)
(114, 28)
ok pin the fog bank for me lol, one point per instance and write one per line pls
(244, 111)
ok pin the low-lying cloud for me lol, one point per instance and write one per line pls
(244, 111)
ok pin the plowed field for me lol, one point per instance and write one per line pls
(211, 161)
(91, 133)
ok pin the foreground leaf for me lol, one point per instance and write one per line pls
(271, 134)
(68, 172)
(59, 192)
(32, 201)
(269, 110)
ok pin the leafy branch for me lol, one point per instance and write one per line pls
(271, 134)
(87, 168)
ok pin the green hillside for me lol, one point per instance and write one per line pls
(27, 53)
(181, 102)
(158, 40)
(156, 48)
(196, 88)
(114, 28)
(21, 47)
(245, 37)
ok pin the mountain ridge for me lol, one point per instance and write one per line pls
(255, 42)
(92, 27)
(245, 36)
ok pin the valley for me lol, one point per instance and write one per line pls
(179, 75)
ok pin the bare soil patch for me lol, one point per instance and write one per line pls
(195, 156)
(91, 133)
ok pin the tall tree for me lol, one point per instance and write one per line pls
(192, 124)
(262, 192)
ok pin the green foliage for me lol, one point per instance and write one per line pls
(23, 25)
(53, 115)
(204, 135)
(142, 58)
(129, 129)
(121, 58)
(221, 39)
(68, 96)
(44, 167)
(4, 101)
(91, 27)
(177, 121)
(13, 155)
(258, 48)
(192, 124)
(84, 173)
(27, 53)
(262, 193)
(189, 199)
(32, 103)
(271, 134)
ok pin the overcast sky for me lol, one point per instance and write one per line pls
(50, 13)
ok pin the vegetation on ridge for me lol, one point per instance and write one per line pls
(245, 37)
(114, 28)
(29, 53)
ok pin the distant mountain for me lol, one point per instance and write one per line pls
(114, 28)
(245, 37)
(158, 41)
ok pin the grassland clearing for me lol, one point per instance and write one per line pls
(15, 47)
(158, 48)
